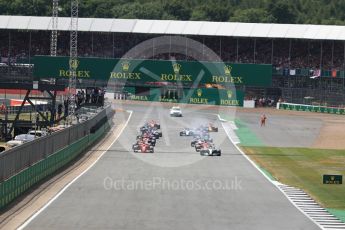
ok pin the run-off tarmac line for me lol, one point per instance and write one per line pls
(117, 192)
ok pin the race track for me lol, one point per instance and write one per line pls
(249, 200)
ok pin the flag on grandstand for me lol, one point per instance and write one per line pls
(334, 73)
(292, 72)
(316, 73)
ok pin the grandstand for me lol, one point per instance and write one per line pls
(308, 60)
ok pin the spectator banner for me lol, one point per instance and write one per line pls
(186, 72)
(311, 108)
(203, 96)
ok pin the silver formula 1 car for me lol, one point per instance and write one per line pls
(187, 132)
(210, 150)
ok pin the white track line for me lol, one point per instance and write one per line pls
(75, 179)
(275, 183)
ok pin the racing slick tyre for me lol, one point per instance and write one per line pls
(217, 153)
(202, 153)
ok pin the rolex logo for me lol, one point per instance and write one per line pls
(227, 70)
(229, 93)
(125, 65)
(73, 63)
(177, 68)
(199, 92)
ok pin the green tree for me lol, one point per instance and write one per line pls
(148, 10)
(218, 11)
(282, 11)
(33, 7)
(3, 7)
(279, 11)
(252, 15)
(178, 9)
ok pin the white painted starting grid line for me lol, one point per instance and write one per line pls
(301, 200)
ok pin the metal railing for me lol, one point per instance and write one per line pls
(15, 160)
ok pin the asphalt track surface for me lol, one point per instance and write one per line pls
(249, 200)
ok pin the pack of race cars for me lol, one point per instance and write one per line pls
(147, 139)
(202, 141)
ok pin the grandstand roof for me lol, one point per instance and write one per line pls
(231, 29)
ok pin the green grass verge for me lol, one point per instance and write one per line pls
(298, 167)
(338, 213)
(303, 168)
(246, 136)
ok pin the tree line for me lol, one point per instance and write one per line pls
(260, 11)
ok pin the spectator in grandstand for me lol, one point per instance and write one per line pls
(59, 111)
(286, 54)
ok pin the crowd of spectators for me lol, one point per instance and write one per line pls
(282, 53)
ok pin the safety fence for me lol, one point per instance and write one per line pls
(19, 183)
(14, 160)
(311, 108)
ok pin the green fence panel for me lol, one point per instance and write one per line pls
(19, 183)
(311, 108)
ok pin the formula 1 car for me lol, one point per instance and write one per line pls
(210, 150)
(151, 131)
(150, 135)
(201, 131)
(147, 140)
(187, 132)
(206, 138)
(142, 147)
(201, 144)
(154, 124)
(212, 128)
(151, 124)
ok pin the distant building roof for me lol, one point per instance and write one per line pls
(171, 27)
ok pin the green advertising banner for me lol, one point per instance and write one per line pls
(311, 108)
(202, 96)
(186, 72)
